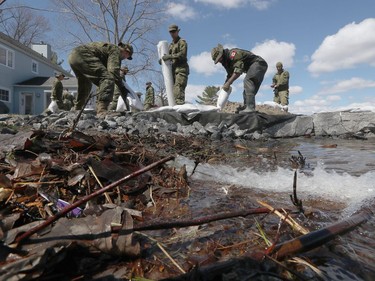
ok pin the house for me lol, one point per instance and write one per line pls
(26, 76)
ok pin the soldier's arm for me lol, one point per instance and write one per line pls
(283, 78)
(182, 53)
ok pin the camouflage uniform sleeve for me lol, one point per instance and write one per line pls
(181, 54)
(113, 67)
(238, 65)
(57, 91)
(283, 79)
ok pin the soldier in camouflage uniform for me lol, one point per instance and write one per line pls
(180, 67)
(68, 100)
(237, 61)
(123, 71)
(57, 90)
(150, 96)
(99, 63)
(280, 85)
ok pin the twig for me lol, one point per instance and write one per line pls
(107, 197)
(83, 200)
(172, 260)
(295, 225)
(295, 201)
(80, 113)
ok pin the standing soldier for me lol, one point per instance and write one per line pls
(280, 85)
(180, 67)
(150, 96)
(123, 71)
(68, 100)
(57, 90)
(237, 61)
(99, 63)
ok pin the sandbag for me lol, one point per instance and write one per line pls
(53, 107)
(222, 98)
(166, 68)
(133, 100)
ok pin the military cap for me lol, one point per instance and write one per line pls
(279, 64)
(127, 47)
(173, 27)
(58, 74)
(148, 83)
(217, 53)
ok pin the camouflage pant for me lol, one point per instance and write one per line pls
(89, 69)
(180, 82)
(281, 97)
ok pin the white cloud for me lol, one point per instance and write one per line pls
(354, 83)
(233, 4)
(350, 46)
(273, 51)
(193, 91)
(334, 98)
(204, 64)
(295, 90)
(181, 11)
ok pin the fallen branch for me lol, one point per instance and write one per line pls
(83, 200)
(199, 221)
(289, 220)
(319, 237)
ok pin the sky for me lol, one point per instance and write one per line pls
(328, 47)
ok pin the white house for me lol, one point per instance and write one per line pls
(26, 76)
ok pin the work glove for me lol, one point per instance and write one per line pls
(166, 57)
(226, 87)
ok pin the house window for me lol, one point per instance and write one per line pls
(34, 66)
(6, 57)
(4, 95)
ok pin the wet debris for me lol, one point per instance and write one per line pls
(106, 204)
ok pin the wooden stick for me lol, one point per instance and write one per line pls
(109, 200)
(295, 225)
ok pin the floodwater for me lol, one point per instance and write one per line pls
(337, 181)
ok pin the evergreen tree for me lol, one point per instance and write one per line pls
(209, 96)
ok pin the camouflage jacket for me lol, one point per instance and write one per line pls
(281, 80)
(57, 91)
(150, 95)
(178, 51)
(109, 55)
(238, 61)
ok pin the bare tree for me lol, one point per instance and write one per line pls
(23, 24)
(128, 21)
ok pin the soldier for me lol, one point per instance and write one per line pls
(180, 67)
(123, 71)
(57, 90)
(237, 61)
(99, 63)
(150, 96)
(68, 100)
(280, 85)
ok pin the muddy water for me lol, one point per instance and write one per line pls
(338, 180)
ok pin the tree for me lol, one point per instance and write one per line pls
(23, 24)
(209, 96)
(114, 21)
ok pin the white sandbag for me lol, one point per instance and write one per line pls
(53, 107)
(166, 68)
(133, 100)
(222, 98)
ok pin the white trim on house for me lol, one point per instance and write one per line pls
(36, 64)
(9, 94)
(8, 52)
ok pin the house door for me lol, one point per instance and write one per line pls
(27, 104)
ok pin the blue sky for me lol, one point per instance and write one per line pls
(328, 46)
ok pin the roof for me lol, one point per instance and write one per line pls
(30, 52)
(47, 82)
